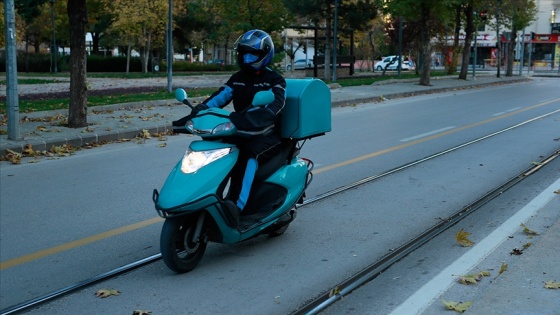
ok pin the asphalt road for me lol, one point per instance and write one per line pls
(88, 198)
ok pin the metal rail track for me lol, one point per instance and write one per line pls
(327, 298)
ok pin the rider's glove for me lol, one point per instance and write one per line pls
(198, 108)
(179, 125)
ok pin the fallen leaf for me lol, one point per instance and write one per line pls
(557, 192)
(485, 273)
(103, 293)
(334, 291)
(462, 238)
(552, 285)
(473, 278)
(468, 279)
(145, 134)
(527, 245)
(528, 231)
(503, 268)
(456, 306)
(516, 251)
(141, 312)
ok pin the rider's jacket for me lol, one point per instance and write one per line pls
(241, 88)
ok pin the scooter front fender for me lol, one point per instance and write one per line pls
(180, 188)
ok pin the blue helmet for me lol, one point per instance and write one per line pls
(255, 50)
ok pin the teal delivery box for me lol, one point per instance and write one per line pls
(307, 112)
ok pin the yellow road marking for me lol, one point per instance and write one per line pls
(445, 133)
(84, 241)
(81, 242)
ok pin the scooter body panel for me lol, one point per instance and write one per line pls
(180, 188)
(291, 178)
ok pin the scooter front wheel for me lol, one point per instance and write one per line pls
(180, 250)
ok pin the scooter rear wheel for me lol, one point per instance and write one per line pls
(178, 249)
(279, 231)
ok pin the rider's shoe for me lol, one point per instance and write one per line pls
(232, 212)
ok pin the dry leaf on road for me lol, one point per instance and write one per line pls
(456, 306)
(552, 285)
(462, 238)
(103, 293)
(528, 231)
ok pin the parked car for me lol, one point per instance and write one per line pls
(300, 64)
(217, 61)
(379, 66)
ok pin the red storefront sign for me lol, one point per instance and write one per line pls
(538, 38)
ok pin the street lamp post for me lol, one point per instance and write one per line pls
(170, 47)
(12, 100)
(399, 65)
(54, 37)
(334, 40)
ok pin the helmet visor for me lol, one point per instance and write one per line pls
(249, 58)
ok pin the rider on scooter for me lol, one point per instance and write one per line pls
(258, 127)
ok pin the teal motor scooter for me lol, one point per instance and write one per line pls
(192, 198)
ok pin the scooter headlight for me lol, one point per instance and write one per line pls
(228, 126)
(194, 160)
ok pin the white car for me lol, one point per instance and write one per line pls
(300, 64)
(379, 66)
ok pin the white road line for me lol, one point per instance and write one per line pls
(423, 298)
(513, 109)
(507, 111)
(427, 134)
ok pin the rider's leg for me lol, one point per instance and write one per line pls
(250, 170)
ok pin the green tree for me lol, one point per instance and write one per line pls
(355, 14)
(429, 15)
(140, 23)
(520, 14)
(100, 17)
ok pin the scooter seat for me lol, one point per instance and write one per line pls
(282, 158)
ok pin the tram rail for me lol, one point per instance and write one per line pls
(331, 295)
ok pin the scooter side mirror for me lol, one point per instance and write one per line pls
(180, 95)
(263, 98)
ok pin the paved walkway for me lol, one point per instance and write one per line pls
(43, 130)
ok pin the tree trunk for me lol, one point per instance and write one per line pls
(95, 43)
(77, 111)
(452, 66)
(469, 30)
(425, 46)
(511, 52)
(328, 44)
(372, 45)
(128, 49)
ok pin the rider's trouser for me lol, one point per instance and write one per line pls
(253, 151)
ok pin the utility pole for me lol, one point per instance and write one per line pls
(11, 70)
(334, 40)
(522, 53)
(400, 48)
(498, 39)
(170, 48)
(55, 49)
(475, 55)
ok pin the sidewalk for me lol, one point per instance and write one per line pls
(43, 130)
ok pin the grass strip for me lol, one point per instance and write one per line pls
(26, 106)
